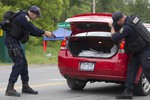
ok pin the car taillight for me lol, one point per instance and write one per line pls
(121, 48)
(122, 45)
(63, 44)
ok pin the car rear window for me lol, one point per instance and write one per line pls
(92, 26)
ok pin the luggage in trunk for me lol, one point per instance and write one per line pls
(92, 45)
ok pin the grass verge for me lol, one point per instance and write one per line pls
(36, 55)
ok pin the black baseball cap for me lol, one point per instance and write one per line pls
(116, 17)
(36, 10)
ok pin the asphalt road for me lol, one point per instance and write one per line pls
(47, 80)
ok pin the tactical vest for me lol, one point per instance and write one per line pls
(18, 31)
(135, 43)
(135, 21)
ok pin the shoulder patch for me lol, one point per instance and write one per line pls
(27, 18)
(136, 19)
(121, 30)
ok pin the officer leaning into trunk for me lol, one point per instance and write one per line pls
(20, 30)
(137, 44)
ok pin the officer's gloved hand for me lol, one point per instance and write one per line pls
(49, 34)
(110, 24)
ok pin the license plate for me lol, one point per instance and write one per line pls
(87, 66)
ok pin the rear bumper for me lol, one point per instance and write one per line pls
(113, 69)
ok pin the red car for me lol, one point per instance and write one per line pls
(89, 54)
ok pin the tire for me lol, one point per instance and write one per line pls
(143, 87)
(75, 84)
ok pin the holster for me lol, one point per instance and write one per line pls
(25, 37)
(14, 52)
(135, 46)
(10, 53)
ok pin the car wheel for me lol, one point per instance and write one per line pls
(143, 87)
(76, 84)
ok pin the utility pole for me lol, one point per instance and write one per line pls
(94, 6)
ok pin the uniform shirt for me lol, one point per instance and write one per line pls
(125, 32)
(24, 20)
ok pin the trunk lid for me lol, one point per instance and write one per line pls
(89, 22)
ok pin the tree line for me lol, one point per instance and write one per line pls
(54, 11)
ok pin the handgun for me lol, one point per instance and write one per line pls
(53, 35)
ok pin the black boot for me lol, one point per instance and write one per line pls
(10, 91)
(127, 94)
(27, 89)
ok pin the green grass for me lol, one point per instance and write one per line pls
(5, 64)
(36, 55)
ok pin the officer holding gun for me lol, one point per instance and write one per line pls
(19, 31)
(137, 44)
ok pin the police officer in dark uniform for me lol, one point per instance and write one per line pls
(20, 30)
(136, 44)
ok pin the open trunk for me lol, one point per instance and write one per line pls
(92, 44)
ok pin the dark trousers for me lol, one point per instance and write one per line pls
(20, 66)
(142, 58)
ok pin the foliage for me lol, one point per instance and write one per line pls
(78, 10)
(3, 9)
(101, 8)
(55, 11)
(141, 7)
